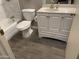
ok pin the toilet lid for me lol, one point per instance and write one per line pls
(23, 25)
(28, 10)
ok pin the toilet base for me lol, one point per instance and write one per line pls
(27, 33)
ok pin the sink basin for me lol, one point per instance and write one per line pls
(51, 9)
(55, 9)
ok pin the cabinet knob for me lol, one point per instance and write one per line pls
(48, 16)
(72, 14)
(62, 17)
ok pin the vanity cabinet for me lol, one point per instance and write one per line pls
(54, 25)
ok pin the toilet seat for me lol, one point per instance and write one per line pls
(23, 25)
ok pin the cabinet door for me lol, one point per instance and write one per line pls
(54, 24)
(43, 23)
(65, 25)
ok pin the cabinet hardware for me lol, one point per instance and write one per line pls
(48, 16)
(62, 17)
(72, 14)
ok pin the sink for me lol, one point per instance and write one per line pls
(55, 9)
(51, 9)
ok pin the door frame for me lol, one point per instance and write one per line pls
(72, 49)
(5, 48)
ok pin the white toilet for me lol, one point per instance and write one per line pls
(25, 26)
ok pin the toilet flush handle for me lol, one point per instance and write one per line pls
(1, 32)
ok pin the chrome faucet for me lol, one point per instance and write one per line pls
(52, 6)
(52, 3)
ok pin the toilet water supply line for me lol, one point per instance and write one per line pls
(35, 18)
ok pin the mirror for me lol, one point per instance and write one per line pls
(59, 1)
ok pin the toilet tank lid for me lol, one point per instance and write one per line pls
(28, 10)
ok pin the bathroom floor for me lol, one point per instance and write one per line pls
(37, 48)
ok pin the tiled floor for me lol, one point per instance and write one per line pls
(37, 48)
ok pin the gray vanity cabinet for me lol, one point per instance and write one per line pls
(54, 25)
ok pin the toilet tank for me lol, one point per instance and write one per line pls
(29, 14)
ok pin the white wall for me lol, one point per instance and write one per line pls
(73, 41)
(72, 51)
(12, 8)
(9, 9)
(2, 13)
(30, 4)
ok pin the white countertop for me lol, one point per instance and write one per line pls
(68, 10)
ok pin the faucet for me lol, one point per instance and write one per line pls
(52, 3)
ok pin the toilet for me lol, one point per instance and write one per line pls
(25, 26)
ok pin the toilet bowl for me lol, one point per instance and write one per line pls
(25, 26)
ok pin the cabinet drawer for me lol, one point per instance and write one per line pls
(67, 15)
(41, 30)
(54, 14)
(45, 34)
(55, 36)
(63, 38)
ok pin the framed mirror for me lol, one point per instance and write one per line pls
(59, 1)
